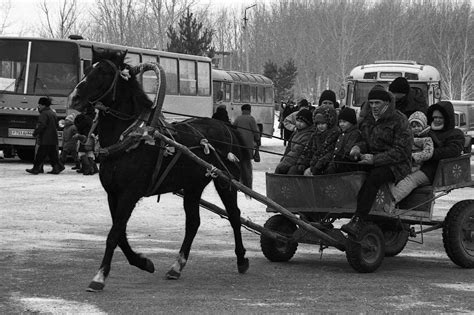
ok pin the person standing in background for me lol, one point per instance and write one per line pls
(47, 138)
(247, 126)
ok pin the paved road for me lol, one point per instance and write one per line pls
(52, 236)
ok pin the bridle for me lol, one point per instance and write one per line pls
(112, 88)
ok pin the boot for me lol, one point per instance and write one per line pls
(95, 169)
(86, 166)
(34, 171)
(77, 166)
(354, 226)
(58, 168)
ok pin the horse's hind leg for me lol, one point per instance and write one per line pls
(193, 220)
(120, 209)
(229, 199)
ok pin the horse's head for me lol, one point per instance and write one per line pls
(103, 80)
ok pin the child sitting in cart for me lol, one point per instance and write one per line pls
(422, 150)
(350, 135)
(296, 144)
(319, 151)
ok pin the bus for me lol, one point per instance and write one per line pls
(35, 67)
(363, 78)
(233, 89)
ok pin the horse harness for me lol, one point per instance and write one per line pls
(145, 126)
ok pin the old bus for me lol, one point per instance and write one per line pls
(233, 89)
(362, 78)
(35, 67)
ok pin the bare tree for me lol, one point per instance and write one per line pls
(4, 16)
(59, 25)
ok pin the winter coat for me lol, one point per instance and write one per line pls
(389, 139)
(422, 149)
(320, 149)
(69, 143)
(248, 128)
(45, 130)
(412, 102)
(448, 142)
(296, 145)
(221, 114)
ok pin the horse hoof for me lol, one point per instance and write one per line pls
(148, 266)
(95, 286)
(243, 267)
(172, 275)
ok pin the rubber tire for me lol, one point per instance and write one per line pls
(274, 250)
(395, 239)
(26, 154)
(459, 250)
(361, 259)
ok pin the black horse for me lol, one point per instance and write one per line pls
(128, 175)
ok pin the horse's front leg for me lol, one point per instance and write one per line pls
(122, 209)
(229, 199)
(193, 220)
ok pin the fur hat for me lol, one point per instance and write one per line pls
(419, 117)
(327, 95)
(305, 115)
(399, 85)
(348, 114)
(46, 101)
(378, 92)
(319, 118)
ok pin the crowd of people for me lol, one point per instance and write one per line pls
(396, 138)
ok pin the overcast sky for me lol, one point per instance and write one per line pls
(25, 14)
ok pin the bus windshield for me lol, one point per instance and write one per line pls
(362, 89)
(52, 70)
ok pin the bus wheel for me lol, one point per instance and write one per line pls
(458, 234)
(26, 154)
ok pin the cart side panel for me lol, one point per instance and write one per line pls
(453, 173)
(315, 193)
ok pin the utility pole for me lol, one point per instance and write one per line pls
(246, 37)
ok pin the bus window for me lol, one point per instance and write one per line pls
(86, 64)
(245, 97)
(411, 76)
(269, 95)
(218, 93)
(227, 88)
(253, 94)
(237, 93)
(187, 77)
(204, 78)
(260, 95)
(149, 77)
(370, 75)
(170, 65)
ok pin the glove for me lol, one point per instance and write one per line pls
(307, 172)
(367, 159)
(355, 153)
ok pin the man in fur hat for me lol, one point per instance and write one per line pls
(47, 138)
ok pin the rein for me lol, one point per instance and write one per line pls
(113, 85)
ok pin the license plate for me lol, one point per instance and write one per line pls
(21, 133)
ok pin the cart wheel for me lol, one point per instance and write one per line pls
(277, 250)
(458, 234)
(395, 239)
(367, 252)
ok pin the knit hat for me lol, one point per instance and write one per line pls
(305, 115)
(419, 117)
(348, 114)
(399, 85)
(319, 118)
(303, 103)
(378, 92)
(327, 95)
(246, 107)
(46, 101)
